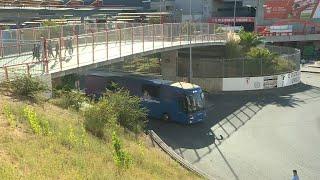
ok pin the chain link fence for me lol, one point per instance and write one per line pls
(287, 60)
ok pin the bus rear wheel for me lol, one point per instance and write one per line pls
(165, 117)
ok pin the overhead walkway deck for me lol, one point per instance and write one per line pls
(79, 52)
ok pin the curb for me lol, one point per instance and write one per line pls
(308, 71)
(154, 137)
(313, 66)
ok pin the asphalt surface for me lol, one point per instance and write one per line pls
(265, 134)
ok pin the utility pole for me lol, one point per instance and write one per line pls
(162, 2)
(234, 14)
(190, 62)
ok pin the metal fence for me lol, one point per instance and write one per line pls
(19, 41)
(48, 32)
(288, 60)
(13, 40)
(62, 53)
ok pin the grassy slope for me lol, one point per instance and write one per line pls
(28, 156)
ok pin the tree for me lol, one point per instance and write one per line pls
(249, 40)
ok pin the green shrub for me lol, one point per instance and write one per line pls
(70, 99)
(32, 119)
(38, 126)
(10, 116)
(233, 50)
(260, 53)
(26, 86)
(115, 108)
(128, 110)
(99, 118)
(122, 158)
(271, 62)
(284, 65)
(67, 83)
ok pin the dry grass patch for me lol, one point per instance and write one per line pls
(71, 153)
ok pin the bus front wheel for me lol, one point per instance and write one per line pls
(165, 117)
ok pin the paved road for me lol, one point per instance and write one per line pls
(266, 134)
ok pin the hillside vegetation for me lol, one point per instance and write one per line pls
(43, 141)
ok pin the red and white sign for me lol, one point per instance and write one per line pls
(281, 30)
(290, 9)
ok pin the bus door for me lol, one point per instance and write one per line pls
(182, 111)
(151, 100)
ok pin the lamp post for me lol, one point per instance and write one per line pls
(190, 60)
(234, 14)
(162, 2)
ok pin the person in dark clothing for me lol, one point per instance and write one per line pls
(57, 49)
(37, 52)
(34, 50)
(50, 49)
(69, 47)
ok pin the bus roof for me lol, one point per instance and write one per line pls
(154, 80)
(184, 85)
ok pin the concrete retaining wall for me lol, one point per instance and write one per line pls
(169, 71)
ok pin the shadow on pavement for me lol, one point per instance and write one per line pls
(227, 113)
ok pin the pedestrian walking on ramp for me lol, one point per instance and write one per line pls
(295, 175)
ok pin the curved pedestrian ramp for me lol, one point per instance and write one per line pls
(65, 55)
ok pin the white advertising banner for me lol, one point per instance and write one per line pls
(270, 82)
(242, 84)
(264, 82)
(289, 79)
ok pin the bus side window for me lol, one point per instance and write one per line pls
(150, 91)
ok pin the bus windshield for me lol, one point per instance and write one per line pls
(195, 102)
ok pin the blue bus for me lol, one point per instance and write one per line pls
(170, 101)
